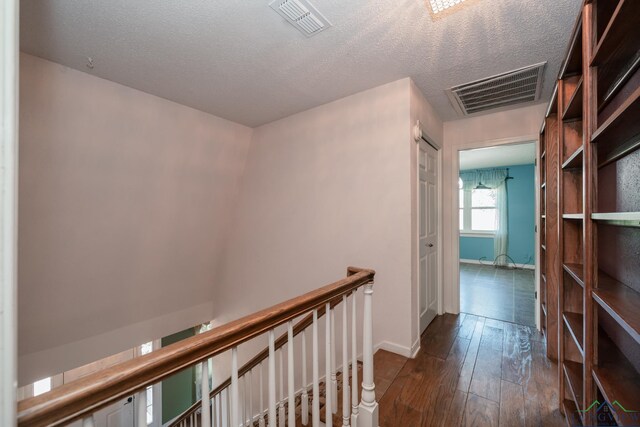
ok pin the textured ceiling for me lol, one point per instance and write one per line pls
(493, 157)
(241, 61)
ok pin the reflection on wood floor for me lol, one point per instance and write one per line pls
(470, 371)
(498, 293)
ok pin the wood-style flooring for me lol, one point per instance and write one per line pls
(498, 293)
(470, 371)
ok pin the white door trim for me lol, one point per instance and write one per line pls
(455, 244)
(8, 208)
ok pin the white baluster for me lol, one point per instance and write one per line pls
(305, 385)
(315, 416)
(205, 417)
(281, 418)
(215, 419)
(88, 421)
(261, 422)
(235, 409)
(272, 380)
(368, 404)
(141, 408)
(220, 409)
(243, 401)
(345, 365)
(327, 367)
(290, 376)
(229, 406)
(354, 364)
(250, 397)
(334, 379)
(214, 413)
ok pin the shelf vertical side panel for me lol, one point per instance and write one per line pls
(589, 198)
(553, 217)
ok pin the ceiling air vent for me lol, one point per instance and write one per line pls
(302, 15)
(513, 87)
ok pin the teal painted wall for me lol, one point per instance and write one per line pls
(521, 202)
(179, 390)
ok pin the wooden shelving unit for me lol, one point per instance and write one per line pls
(576, 271)
(547, 155)
(620, 302)
(590, 140)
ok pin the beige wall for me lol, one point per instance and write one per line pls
(125, 199)
(324, 189)
(136, 211)
(505, 127)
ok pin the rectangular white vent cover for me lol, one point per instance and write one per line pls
(513, 87)
(302, 15)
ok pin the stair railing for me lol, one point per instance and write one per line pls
(255, 365)
(79, 399)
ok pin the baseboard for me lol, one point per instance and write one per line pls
(475, 261)
(394, 348)
(415, 348)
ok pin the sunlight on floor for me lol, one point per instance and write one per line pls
(503, 294)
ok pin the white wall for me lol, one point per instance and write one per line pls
(324, 189)
(125, 199)
(505, 127)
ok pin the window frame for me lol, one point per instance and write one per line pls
(467, 209)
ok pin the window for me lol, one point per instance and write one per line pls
(478, 212)
(42, 386)
(147, 348)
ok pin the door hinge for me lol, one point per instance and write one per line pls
(535, 162)
(535, 294)
(535, 228)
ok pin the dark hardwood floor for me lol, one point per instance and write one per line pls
(498, 293)
(470, 371)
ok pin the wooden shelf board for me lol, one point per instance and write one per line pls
(623, 219)
(621, 302)
(574, 379)
(543, 277)
(544, 184)
(616, 377)
(573, 109)
(544, 308)
(575, 216)
(621, 28)
(544, 153)
(573, 62)
(607, 157)
(543, 216)
(575, 271)
(544, 247)
(622, 125)
(574, 161)
(574, 324)
(570, 408)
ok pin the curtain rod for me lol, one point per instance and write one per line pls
(490, 169)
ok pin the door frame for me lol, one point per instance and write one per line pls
(418, 136)
(455, 170)
(9, 65)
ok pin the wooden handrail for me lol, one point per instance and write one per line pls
(259, 358)
(88, 394)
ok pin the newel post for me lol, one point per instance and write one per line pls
(368, 414)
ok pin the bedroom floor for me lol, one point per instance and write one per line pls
(498, 293)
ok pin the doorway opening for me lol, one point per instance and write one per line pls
(497, 234)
